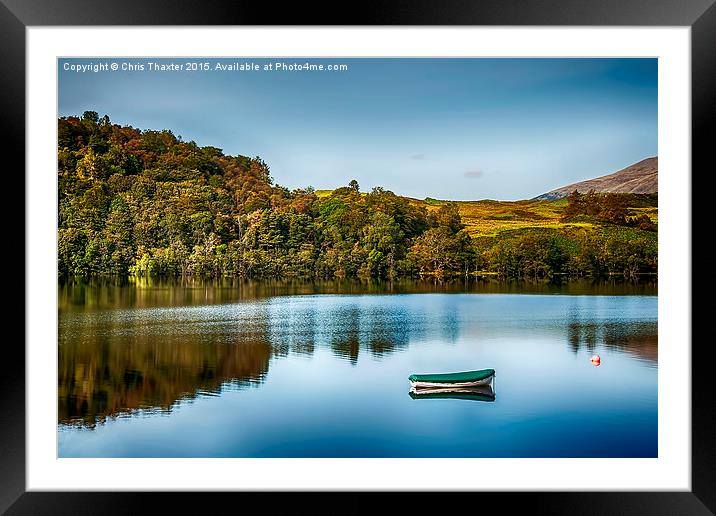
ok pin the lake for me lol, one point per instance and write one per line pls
(291, 369)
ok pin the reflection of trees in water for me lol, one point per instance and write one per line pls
(346, 348)
(344, 331)
(574, 336)
(450, 325)
(291, 328)
(380, 331)
(581, 334)
(302, 334)
(636, 338)
(79, 295)
(119, 361)
(113, 363)
(640, 339)
(105, 376)
(389, 330)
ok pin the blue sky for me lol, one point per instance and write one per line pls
(445, 128)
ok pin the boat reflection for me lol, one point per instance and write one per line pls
(477, 393)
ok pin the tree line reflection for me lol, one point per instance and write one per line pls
(114, 363)
(106, 293)
(638, 339)
(115, 366)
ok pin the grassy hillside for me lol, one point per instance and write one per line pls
(489, 218)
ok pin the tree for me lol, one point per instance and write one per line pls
(613, 209)
(575, 205)
(448, 216)
(90, 118)
(119, 235)
(353, 185)
(381, 239)
(433, 251)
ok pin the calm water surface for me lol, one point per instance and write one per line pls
(320, 370)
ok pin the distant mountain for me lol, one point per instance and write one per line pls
(641, 178)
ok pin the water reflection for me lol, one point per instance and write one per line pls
(478, 393)
(76, 294)
(344, 337)
(122, 350)
(100, 378)
(116, 362)
(639, 339)
(378, 330)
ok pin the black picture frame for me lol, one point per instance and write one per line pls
(699, 15)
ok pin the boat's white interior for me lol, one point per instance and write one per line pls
(484, 381)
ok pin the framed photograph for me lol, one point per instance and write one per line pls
(423, 252)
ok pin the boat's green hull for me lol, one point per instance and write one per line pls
(453, 378)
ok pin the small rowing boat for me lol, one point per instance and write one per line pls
(458, 380)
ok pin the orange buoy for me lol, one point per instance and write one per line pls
(596, 360)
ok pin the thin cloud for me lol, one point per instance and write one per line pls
(422, 157)
(474, 174)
